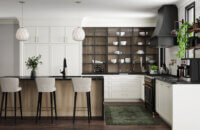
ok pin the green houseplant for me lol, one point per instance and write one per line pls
(154, 69)
(32, 63)
(182, 38)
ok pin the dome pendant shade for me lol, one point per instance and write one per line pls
(78, 34)
(22, 34)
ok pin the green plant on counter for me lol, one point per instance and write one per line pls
(33, 62)
(182, 39)
(154, 67)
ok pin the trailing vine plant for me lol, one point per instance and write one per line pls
(182, 38)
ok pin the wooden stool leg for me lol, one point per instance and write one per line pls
(40, 106)
(20, 103)
(6, 104)
(74, 113)
(88, 108)
(51, 106)
(2, 100)
(54, 95)
(15, 106)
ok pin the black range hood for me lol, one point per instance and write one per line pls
(162, 37)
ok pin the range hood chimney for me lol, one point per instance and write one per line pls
(162, 37)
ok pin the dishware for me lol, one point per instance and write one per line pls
(120, 33)
(115, 43)
(140, 52)
(97, 62)
(121, 61)
(127, 60)
(114, 61)
(151, 61)
(123, 43)
(143, 33)
(140, 43)
(117, 52)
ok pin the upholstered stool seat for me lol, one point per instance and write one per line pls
(46, 85)
(82, 85)
(10, 85)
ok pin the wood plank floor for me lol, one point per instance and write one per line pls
(66, 124)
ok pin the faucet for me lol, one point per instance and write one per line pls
(64, 66)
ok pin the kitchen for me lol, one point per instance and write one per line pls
(134, 54)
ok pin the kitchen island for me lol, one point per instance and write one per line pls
(64, 98)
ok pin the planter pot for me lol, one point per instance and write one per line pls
(33, 74)
(153, 72)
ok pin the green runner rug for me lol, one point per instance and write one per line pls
(128, 115)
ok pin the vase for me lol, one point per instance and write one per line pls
(33, 73)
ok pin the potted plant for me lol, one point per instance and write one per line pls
(154, 69)
(183, 38)
(198, 22)
(32, 63)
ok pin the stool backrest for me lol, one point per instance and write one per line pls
(82, 84)
(9, 84)
(45, 84)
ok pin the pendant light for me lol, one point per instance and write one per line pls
(22, 33)
(78, 34)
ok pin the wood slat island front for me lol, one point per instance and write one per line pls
(64, 98)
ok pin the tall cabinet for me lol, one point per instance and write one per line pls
(54, 44)
(105, 45)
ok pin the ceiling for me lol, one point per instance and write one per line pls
(87, 8)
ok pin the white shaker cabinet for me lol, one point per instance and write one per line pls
(58, 35)
(164, 100)
(43, 35)
(122, 88)
(32, 35)
(73, 54)
(44, 51)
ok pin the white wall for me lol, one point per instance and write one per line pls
(9, 48)
(171, 52)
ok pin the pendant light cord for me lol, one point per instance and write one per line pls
(22, 13)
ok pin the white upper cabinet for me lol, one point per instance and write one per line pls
(58, 54)
(73, 55)
(44, 68)
(58, 35)
(43, 35)
(32, 32)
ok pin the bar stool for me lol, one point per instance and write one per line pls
(46, 85)
(10, 85)
(82, 85)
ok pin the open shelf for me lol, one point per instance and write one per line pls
(98, 45)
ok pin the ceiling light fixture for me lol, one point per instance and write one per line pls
(77, 2)
(78, 34)
(22, 33)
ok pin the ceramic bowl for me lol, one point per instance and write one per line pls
(127, 60)
(115, 43)
(121, 61)
(122, 34)
(123, 43)
(114, 61)
(151, 61)
(140, 43)
(143, 33)
(118, 52)
(140, 52)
